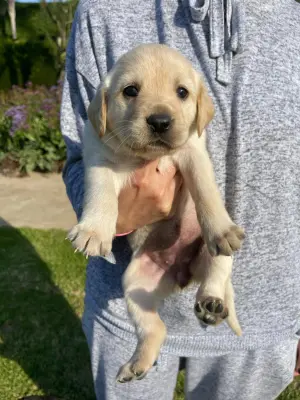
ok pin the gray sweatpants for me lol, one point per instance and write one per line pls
(242, 375)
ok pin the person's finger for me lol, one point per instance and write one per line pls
(128, 194)
(173, 188)
(168, 174)
(178, 181)
(148, 177)
(167, 202)
(142, 172)
(172, 197)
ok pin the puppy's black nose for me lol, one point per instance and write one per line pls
(159, 123)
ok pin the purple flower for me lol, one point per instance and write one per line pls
(18, 115)
(47, 105)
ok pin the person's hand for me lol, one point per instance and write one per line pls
(149, 199)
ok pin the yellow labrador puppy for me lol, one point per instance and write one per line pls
(153, 104)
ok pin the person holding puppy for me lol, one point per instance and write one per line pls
(251, 64)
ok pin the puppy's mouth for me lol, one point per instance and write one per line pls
(157, 144)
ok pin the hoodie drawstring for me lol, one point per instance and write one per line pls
(225, 31)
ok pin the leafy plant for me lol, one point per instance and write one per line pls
(29, 128)
(60, 14)
(39, 52)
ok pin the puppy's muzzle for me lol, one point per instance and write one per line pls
(159, 123)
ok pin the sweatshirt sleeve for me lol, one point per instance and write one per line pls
(77, 93)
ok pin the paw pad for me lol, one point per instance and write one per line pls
(211, 311)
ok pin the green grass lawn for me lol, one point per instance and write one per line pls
(42, 347)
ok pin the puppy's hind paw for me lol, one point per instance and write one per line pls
(132, 371)
(211, 310)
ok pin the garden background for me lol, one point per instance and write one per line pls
(43, 353)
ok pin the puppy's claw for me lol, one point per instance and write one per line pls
(125, 379)
(138, 374)
(72, 235)
(131, 371)
(90, 240)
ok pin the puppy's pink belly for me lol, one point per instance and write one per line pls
(178, 254)
(176, 257)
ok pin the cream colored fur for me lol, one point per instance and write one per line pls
(116, 141)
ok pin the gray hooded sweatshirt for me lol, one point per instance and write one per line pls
(249, 54)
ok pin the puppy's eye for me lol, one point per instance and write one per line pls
(131, 91)
(182, 92)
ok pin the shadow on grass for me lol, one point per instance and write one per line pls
(38, 328)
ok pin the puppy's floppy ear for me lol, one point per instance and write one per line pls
(205, 109)
(97, 111)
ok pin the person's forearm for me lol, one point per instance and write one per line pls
(73, 176)
(77, 93)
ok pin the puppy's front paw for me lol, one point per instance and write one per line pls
(227, 242)
(90, 240)
(211, 310)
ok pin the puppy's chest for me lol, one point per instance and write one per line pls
(172, 244)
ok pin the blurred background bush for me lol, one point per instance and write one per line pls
(30, 138)
(33, 41)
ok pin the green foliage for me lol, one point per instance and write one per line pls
(38, 148)
(31, 22)
(23, 61)
(39, 53)
(179, 390)
(29, 129)
(60, 14)
(28, 20)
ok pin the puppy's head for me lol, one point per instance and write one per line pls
(150, 103)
